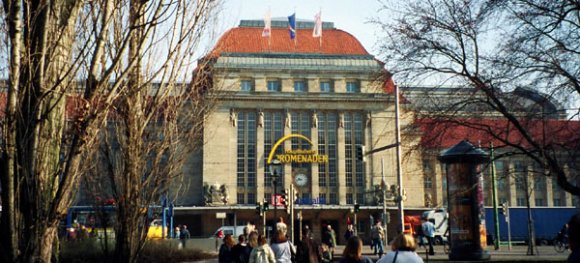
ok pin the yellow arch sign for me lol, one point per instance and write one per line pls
(289, 136)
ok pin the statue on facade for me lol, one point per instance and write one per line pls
(261, 119)
(225, 197)
(315, 120)
(369, 119)
(428, 200)
(215, 194)
(288, 119)
(233, 117)
(378, 195)
(341, 120)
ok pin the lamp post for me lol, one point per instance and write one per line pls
(275, 171)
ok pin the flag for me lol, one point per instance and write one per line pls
(292, 26)
(317, 32)
(267, 24)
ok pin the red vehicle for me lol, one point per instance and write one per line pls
(412, 225)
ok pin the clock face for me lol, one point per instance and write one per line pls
(301, 179)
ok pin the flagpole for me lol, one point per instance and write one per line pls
(296, 29)
(320, 38)
(271, 31)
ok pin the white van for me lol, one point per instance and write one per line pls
(229, 230)
(439, 219)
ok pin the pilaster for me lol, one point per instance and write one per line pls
(261, 83)
(513, 197)
(341, 161)
(314, 182)
(549, 192)
(260, 176)
(287, 84)
(340, 85)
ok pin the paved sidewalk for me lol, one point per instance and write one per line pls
(517, 254)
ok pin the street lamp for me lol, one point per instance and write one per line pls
(275, 171)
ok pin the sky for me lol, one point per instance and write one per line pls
(349, 15)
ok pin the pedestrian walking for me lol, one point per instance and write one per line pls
(262, 253)
(349, 231)
(226, 253)
(329, 239)
(429, 233)
(378, 235)
(184, 236)
(242, 250)
(283, 249)
(308, 250)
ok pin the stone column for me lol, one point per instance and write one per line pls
(341, 160)
(261, 158)
(513, 198)
(438, 184)
(315, 189)
(368, 173)
(287, 119)
(531, 186)
(549, 192)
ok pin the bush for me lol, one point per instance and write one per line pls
(93, 250)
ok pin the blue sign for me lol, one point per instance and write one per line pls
(311, 201)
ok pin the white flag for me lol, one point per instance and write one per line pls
(317, 32)
(267, 24)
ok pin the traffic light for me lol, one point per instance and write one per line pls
(258, 207)
(266, 206)
(356, 208)
(360, 153)
(504, 208)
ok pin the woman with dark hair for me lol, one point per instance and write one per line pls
(308, 250)
(403, 250)
(226, 254)
(353, 252)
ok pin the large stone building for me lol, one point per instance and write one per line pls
(312, 103)
(326, 95)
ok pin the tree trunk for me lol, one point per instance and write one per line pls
(10, 215)
(46, 244)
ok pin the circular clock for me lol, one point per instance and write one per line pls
(301, 179)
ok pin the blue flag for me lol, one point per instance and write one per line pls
(292, 26)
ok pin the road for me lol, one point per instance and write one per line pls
(517, 254)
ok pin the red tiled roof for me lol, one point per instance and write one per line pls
(446, 133)
(250, 40)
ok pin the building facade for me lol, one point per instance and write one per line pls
(328, 96)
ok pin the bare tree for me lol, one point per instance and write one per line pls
(52, 120)
(486, 47)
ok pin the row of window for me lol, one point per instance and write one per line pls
(325, 86)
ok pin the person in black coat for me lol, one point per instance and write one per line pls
(241, 251)
(226, 254)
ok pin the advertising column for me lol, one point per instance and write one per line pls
(467, 234)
